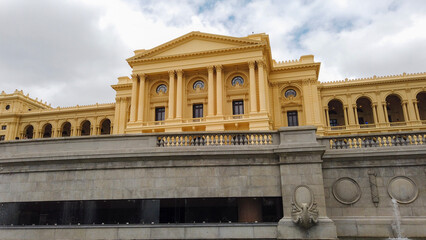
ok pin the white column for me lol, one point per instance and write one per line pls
(345, 111)
(179, 94)
(416, 109)
(327, 117)
(133, 108)
(252, 79)
(171, 95)
(405, 111)
(219, 89)
(210, 96)
(374, 109)
(141, 97)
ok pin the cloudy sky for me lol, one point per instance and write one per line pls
(70, 52)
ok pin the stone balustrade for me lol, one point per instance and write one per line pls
(216, 139)
(375, 140)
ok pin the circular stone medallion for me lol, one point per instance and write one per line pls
(402, 189)
(303, 194)
(346, 190)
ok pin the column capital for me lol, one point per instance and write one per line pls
(134, 76)
(179, 72)
(210, 68)
(260, 63)
(141, 75)
(251, 64)
(219, 67)
(171, 73)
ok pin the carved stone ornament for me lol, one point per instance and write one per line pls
(346, 190)
(403, 189)
(304, 211)
(373, 186)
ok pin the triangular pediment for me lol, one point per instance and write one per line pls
(194, 42)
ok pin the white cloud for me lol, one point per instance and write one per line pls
(61, 51)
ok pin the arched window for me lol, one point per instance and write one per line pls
(394, 108)
(364, 111)
(47, 130)
(290, 93)
(336, 113)
(161, 89)
(421, 105)
(66, 129)
(29, 132)
(237, 80)
(85, 128)
(106, 127)
(198, 84)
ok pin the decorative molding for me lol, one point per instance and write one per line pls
(192, 54)
(410, 192)
(375, 80)
(373, 186)
(304, 211)
(346, 190)
(195, 35)
(251, 64)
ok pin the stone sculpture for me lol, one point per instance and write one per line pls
(306, 216)
(304, 211)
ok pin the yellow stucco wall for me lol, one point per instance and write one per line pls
(377, 104)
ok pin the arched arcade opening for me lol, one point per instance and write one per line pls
(47, 130)
(85, 128)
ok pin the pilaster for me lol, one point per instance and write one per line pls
(141, 105)
(252, 79)
(210, 96)
(301, 165)
(133, 107)
(179, 92)
(116, 116)
(219, 91)
(262, 89)
(171, 95)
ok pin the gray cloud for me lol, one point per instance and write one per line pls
(70, 52)
(54, 50)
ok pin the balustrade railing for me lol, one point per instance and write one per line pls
(379, 140)
(215, 139)
(334, 128)
(396, 124)
(367, 125)
(153, 123)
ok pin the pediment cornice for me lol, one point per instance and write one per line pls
(193, 35)
(194, 54)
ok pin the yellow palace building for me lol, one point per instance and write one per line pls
(208, 82)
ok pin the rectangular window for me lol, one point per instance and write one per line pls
(2, 137)
(197, 110)
(3, 127)
(142, 211)
(292, 118)
(237, 107)
(160, 113)
(333, 122)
